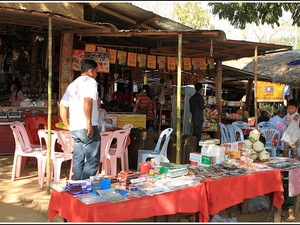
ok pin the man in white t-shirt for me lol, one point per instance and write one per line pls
(79, 113)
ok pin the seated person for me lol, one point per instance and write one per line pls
(244, 112)
(103, 118)
(264, 116)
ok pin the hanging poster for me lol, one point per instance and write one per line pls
(131, 59)
(195, 64)
(187, 65)
(211, 63)
(122, 57)
(202, 63)
(90, 48)
(151, 61)
(101, 58)
(270, 92)
(161, 61)
(112, 56)
(101, 49)
(141, 60)
(78, 57)
(171, 63)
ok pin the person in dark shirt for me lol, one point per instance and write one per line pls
(197, 105)
(264, 116)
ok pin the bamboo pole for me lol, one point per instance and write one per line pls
(49, 104)
(178, 116)
(255, 85)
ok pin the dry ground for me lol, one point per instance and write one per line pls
(22, 201)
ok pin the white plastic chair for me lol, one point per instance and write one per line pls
(23, 148)
(106, 139)
(269, 135)
(235, 133)
(241, 124)
(224, 133)
(160, 149)
(56, 157)
(266, 124)
(118, 151)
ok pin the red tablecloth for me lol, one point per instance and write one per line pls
(230, 191)
(188, 200)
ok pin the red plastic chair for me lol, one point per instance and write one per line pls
(32, 125)
(55, 119)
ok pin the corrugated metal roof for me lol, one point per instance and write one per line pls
(128, 16)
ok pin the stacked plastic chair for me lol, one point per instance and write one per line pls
(270, 134)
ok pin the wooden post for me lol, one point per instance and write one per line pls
(65, 66)
(178, 99)
(255, 85)
(248, 93)
(49, 105)
(218, 91)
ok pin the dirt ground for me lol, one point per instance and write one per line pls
(22, 201)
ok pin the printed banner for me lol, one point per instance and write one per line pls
(187, 65)
(101, 49)
(195, 63)
(270, 92)
(78, 57)
(142, 60)
(171, 63)
(112, 56)
(161, 61)
(90, 48)
(122, 57)
(202, 63)
(101, 58)
(211, 63)
(131, 61)
(151, 61)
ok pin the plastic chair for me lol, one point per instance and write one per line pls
(56, 157)
(224, 133)
(266, 124)
(127, 126)
(160, 149)
(32, 125)
(55, 119)
(118, 151)
(272, 142)
(235, 133)
(24, 148)
(106, 139)
(241, 124)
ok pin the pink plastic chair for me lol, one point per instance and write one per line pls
(24, 149)
(106, 139)
(119, 151)
(56, 157)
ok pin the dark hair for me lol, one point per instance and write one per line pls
(147, 89)
(276, 113)
(263, 112)
(198, 86)
(17, 83)
(293, 102)
(88, 64)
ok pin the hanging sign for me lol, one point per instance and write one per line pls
(131, 59)
(211, 63)
(171, 63)
(101, 49)
(141, 60)
(102, 59)
(78, 57)
(112, 56)
(90, 48)
(187, 65)
(195, 63)
(122, 57)
(151, 61)
(270, 92)
(161, 61)
(202, 63)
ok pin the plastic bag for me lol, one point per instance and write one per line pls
(218, 218)
(292, 133)
(258, 203)
(159, 159)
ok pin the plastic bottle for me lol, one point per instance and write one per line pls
(151, 172)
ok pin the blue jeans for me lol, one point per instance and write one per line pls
(86, 153)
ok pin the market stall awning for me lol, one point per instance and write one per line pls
(37, 19)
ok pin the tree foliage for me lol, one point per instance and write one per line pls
(241, 13)
(191, 14)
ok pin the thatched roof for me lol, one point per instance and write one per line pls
(283, 67)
